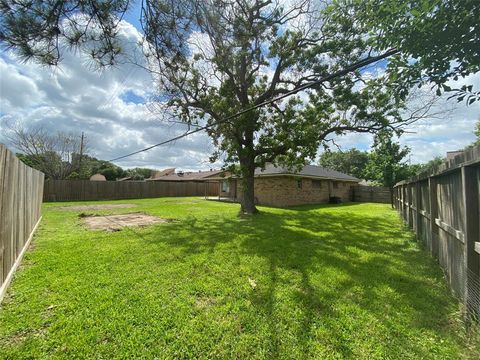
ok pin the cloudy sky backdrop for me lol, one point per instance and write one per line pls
(111, 108)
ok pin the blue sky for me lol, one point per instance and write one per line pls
(110, 107)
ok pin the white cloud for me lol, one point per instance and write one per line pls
(74, 98)
(432, 137)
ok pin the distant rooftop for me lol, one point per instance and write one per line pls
(184, 176)
(307, 171)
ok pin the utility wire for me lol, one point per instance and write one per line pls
(342, 72)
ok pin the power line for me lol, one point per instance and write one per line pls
(342, 72)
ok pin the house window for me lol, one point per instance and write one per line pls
(225, 186)
(299, 183)
(316, 184)
(335, 185)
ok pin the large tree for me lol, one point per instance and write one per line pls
(214, 58)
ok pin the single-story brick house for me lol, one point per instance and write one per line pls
(279, 186)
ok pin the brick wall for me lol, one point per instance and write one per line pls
(286, 190)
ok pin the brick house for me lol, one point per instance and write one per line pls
(278, 186)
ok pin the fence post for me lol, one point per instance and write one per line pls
(409, 205)
(432, 192)
(418, 200)
(472, 236)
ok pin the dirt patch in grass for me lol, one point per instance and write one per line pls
(96, 207)
(117, 222)
(205, 302)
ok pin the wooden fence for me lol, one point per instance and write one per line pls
(82, 190)
(21, 189)
(443, 210)
(376, 194)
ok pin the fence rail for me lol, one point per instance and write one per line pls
(82, 190)
(443, 210)
(21, 189)
(376, 194)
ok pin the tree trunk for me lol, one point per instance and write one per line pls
(247, 166)
(248, 198)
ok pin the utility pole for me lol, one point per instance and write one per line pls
(81, 154)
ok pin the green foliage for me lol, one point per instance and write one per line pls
(139, 173)
(477, 133)
(386, 165)
(39, 29)
(438, 40)
(27, 160)
(111, 171)
(242, 42)
(362, 164)
(431, 166)
(343, 281)
(50, 163)
(352, 162)
(89, 166)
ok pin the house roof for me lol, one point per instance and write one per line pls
(188, 176)
(159, 173)
(311, 171)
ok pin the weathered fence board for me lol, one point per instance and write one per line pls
(21, 190)
(81, 190)
(376, 194)
(443, 210)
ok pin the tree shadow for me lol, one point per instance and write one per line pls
(343, 260)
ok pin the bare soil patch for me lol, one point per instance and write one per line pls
(117, 222)
(97, 207)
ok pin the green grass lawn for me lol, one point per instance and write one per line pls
(329, 281)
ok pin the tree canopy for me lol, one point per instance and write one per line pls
(437, 40)
(387, 160)
(212, 59)
(353, 162)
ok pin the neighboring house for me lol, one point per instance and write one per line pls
(278, 186)
(158, 174)
(452, 154)
(98, 177)
(197, 176)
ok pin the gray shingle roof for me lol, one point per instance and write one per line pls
(308, 170)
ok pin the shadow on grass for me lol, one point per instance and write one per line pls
(376, 268)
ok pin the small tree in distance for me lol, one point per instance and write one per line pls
(386, 166)
(352, 162)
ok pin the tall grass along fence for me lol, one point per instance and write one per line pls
(81, 190)
(21, 189)
(443, 210)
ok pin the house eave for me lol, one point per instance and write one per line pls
(308, 177)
